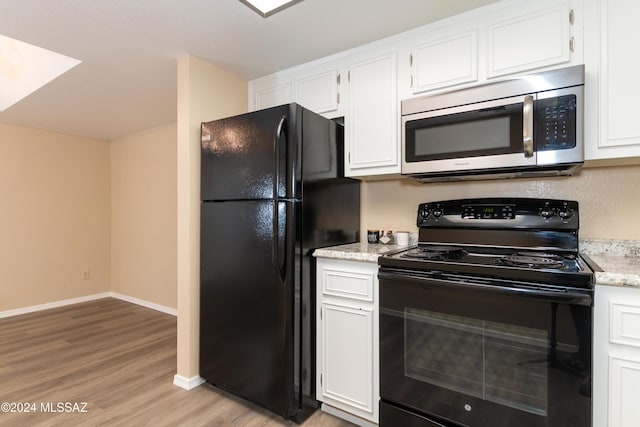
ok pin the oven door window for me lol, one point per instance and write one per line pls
(481, 132)
(479, 358)
(496, 362)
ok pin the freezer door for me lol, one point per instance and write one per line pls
(323, 147)
(248, 156)
(247, 294)
(331, 213)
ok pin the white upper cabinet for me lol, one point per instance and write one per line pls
(533, 40)
(319, 91)
(612, 34)
(372, 141)
(315, 87)
(271, 94)
(366, 84)
(444, 62)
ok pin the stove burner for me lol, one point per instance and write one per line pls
(534, 260)
(437, 253)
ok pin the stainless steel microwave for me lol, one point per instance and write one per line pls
(525, 126)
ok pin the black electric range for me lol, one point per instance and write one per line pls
(488, 320)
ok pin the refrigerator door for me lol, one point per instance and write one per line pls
(247, 316)
(249, 157)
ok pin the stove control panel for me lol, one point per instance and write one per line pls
(489, 211)
(502, 213)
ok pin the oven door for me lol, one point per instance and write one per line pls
(472, 352)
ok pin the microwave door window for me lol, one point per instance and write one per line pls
(485, 132)
(481, 135)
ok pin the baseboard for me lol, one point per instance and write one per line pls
(55, 304)
(62, 303)
(187, 383)
(143, 303)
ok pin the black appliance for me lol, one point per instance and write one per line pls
(488, 320)
(272, 191)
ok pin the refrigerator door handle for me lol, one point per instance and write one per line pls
(276, 151)
(278, 263)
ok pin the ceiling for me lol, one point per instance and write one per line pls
(127, 79)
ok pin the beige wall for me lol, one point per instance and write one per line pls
(143, 215)
(205, 93)
(609, 199)
(54, 216)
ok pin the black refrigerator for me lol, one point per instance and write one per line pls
(272, 190)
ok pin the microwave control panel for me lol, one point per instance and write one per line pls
(556, 123)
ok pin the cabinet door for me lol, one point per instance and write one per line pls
(624, 386)
(611, 88)
(273, 95)
(318, 92)
(616, 357)
(347, 357)
(372, 123)
(537, 39)
(445, 62)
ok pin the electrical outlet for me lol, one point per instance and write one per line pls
(86, 275)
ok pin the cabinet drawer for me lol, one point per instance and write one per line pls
(348, 284)
(625, 324)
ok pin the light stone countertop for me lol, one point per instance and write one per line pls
(619, 259)
(362, 251)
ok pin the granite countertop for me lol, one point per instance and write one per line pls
(361, 251)
(619, 259)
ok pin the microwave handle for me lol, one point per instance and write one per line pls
(527, 126)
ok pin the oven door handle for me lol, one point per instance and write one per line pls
(568, 297)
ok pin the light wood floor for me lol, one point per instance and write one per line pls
(120, 359)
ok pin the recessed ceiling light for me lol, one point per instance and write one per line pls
(25, 68)
(268, 7)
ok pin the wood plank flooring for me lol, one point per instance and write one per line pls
(120, 360)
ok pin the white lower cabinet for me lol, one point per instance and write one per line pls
(347, 339)
(616, 358)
